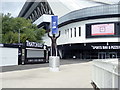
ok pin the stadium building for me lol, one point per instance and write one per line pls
(89, 29)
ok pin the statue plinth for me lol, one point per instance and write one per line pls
(54, 63)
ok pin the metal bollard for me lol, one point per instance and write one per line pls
(54, 63)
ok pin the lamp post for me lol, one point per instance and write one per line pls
(19, 34)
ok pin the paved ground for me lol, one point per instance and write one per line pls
(72, 74)
(33, 66)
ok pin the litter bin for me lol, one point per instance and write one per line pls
(54, 63)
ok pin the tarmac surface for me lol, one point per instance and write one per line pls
(72, 74)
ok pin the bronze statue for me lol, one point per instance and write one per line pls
(54, 45)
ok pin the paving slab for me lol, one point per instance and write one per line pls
(77, 75)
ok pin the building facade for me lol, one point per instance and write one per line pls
(87, 33)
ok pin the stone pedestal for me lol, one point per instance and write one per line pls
(54, 63)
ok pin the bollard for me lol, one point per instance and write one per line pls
(54, 63)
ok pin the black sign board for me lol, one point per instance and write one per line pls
(34, 44)
(34, 52)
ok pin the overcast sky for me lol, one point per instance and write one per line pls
(14, 6)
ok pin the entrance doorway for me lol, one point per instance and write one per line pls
(104, 55)
(112, 55)
(101, 55)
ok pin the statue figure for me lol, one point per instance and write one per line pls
(54, 45)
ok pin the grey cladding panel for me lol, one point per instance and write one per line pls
(35, 53)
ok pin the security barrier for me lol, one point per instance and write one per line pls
(105, 73)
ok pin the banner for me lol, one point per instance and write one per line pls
(54, 24)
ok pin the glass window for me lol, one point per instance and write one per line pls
(79, 31)
(71, 32)
(68, 32)
(65, 31)
(75, 32)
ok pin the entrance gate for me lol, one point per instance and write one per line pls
(101, 55)
(104, 55)
(112, 55)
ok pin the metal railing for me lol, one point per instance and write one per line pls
(105, 73)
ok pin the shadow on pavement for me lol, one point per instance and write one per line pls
(33, 66)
